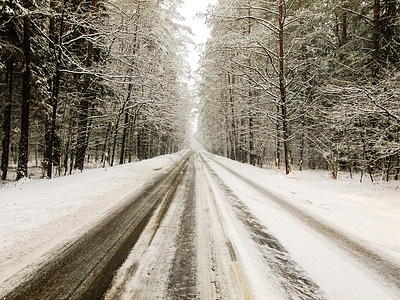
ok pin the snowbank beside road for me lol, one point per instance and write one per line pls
(37, 215)
(370, 212)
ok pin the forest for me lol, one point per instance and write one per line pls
(294, 84)
(304, 84)
(89, 82)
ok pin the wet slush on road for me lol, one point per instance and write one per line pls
(187, 235)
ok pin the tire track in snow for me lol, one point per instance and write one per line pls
(182, 275)
(146, 273)
(292, 278)
(219, 273)
(84, 268)
(185, 254)
(384, 268)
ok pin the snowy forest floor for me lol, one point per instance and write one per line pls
(38, 215)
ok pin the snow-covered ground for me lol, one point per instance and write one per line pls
(367, 211)
(37, 215)
(326, 259)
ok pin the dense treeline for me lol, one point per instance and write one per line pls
(310, 84)
(89, 81)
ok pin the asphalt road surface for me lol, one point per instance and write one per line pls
(189, 235)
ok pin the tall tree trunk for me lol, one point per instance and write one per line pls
(337, 30)
(390, 31)
(301, 154)
(7, 121)
(55, 90)
(83, 139)
(282, 89)
(148, 145)
(129, 142)
(375, 30)
(54, 101)
(117, 129)
(52, 24)
(67, 147)
(104, 155)
(22, 169)
(344, 28)
(252, 158)
(133, 144)
(278, 138)
(304, 93)
(234, 144)
(139, 148)
(251, 141)
(123, 142)
(228, 130)
(335, 162)
(82, 128)
(124, 132)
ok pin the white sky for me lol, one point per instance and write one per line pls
(200, 30)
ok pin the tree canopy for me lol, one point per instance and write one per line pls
(307, 83)
(107, 83)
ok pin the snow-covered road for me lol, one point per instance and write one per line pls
(341, 266)
(234, 239)
(226, 235)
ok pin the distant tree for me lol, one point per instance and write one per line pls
(10, 51)
(105, 81)
(317, 81)
(23, 155)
